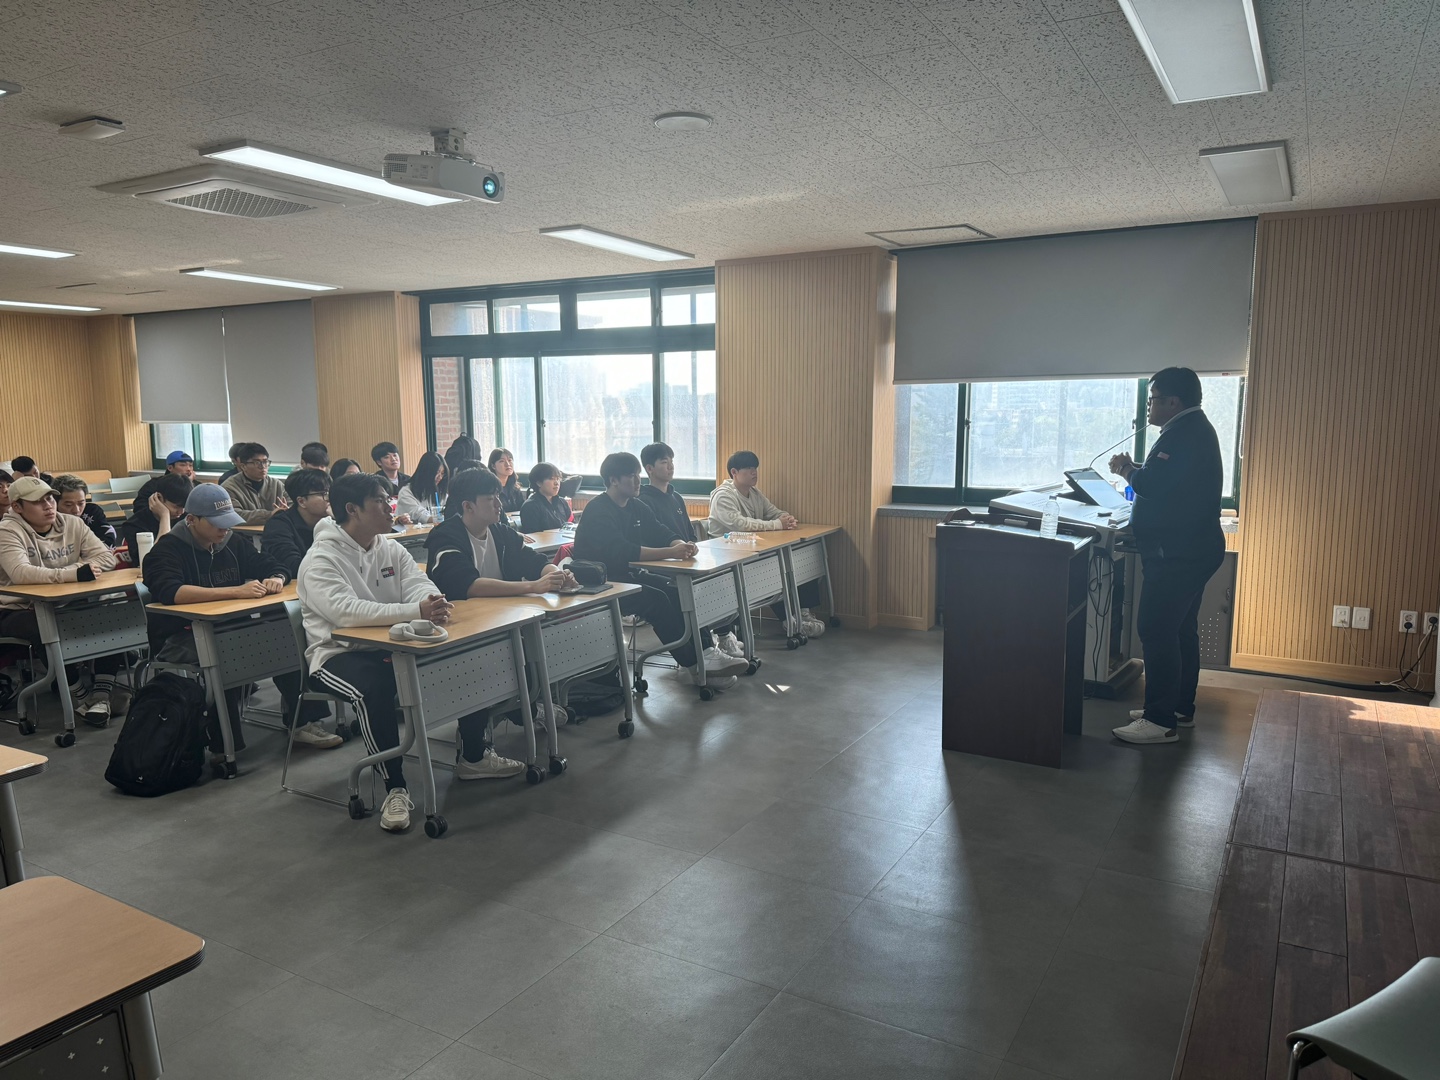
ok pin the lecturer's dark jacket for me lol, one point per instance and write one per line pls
(1177, 493)
(450, 557)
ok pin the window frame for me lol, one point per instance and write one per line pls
(157, 460)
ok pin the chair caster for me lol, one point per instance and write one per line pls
(354, 729)
(356, 807)
(435, 827)
(67, 739)
(224, 770)
(558, 765)
(804, 640)
(752, 667)
(706, 694)
(834, 621)
(534, 774)
(641, 687)
(627, 728)
(794, 642)
(27, 727)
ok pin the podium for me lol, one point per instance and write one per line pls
(1014, 675)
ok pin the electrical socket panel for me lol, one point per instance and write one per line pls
(1412, 618)
(1340, 616)
(1430, 623)
(1360, 618)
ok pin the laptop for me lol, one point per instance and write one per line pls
(570, 486)
(1096, 490)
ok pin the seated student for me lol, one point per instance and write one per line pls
(422, 499)
(6, 479)
(74, 499)
(618, 529)
(234, 455)
(41, 546)
(345, 467)
(197, 561)
(177, 463)
(165, 506)
(463, 449)
(502, 463)
(257, 495)
(386, 456)
(315, 455)
(738, 505)
(357, 575)
(24, 466)
(545, 509)
(475, 553)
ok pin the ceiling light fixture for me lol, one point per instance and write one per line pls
(253, 279)
(1253, 175)
(1201, 49)
(289, 163)
(621, 245)
(45, 307)
(9, 88)
(39, 253)
(682, 121)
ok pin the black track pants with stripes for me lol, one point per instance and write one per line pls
(366, 679)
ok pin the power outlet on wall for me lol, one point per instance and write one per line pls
(1340, 616)
(1409, 622)
(1360, 618)
(1430, 623)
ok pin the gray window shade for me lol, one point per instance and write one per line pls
(181, 356)
(1122, 303)
(270, 365)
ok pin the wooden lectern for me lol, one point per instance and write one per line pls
(1014, 639)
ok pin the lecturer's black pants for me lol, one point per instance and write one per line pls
(1169, 627)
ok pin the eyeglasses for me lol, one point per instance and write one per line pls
(258, 461)
(322, 496)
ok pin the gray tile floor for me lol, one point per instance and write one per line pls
(790, 881)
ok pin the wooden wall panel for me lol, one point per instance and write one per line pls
(414, 440)
(1340, 494)
(122, 441)
(50, 354)
(905, 552)
(804, 358)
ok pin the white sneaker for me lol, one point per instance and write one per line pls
(810, 626)
(730, 646)
(718, 660)
(95, 708)
(313, 734)
(1180, 721)
(1143, 731)
(395, 811)
(715, 682)
(491, 767)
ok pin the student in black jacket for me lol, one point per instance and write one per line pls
(177, 463)
(1176, 522)
(289, 534)
(545, 508)
(74, 499)
(163, 509)
(474, 553)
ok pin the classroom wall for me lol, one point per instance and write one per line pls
(1340, 482)
(122, 442)
(805, 371)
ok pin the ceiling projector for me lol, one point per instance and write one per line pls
(449, 170)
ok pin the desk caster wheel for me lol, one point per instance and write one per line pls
(356, 807)
(834, 621)
(706, 694)
(67, 739)
(27, 727)
(558, 765)
(641, 687)
(752, 667)
(435, 827)
(534, 774)
(627, 728)
(793, 642)
(804, 640)
(354, 729)
(224, 770)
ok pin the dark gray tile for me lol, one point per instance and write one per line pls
(929, 975)
(450, 962)
(795, 1039)
(820, 846)
(744, 922)
(989, 887)
(1096, 1019)
(1073, 825)
(225, 980)
(1148, 844)
(1141, 921)
(1010, 1071)
(618, 1011)
(461, 1062)
(859, 784)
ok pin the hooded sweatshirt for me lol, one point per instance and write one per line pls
(178, 559)
(29, 558)
(342, 585)
(732, 512)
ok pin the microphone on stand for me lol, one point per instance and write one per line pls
(1112, 446)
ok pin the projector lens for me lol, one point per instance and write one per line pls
(490, 186)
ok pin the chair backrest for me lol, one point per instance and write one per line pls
(128, 485)
(297, 627)
(97, 480)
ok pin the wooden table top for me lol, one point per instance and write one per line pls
(551, 604)
(549, 539)
(214, 610)
(778, 538)
(712, 557)
(110, 581)
(71, 953)
(470, 619)
(16, 763)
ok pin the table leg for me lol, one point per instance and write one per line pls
(793, 627)
(829, 588)
(752, 665)
(542, 675)
(208, 650)
(627, 726)
(142, 1047)
(10, 840)
(412, 701)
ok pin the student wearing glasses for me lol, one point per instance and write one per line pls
(256, 494)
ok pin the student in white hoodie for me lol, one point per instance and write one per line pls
(355, 574)
(738, 505)
(41, 546)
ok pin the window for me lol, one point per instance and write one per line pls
(926, 420)
(626, 307)
(467, 317)
(215, 443)
(1221, 396)
(1025, 434)
(211, 440)
(526, 314)
(171, 437)
(518, 426)
(688, 305)
(597, 405)
(688, 412)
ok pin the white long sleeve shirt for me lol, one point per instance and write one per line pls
(731, 511)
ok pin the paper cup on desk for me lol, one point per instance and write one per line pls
(143, 543)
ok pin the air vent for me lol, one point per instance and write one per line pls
(235, 192)
(935, 234)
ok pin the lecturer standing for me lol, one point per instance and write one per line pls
(1176, 522)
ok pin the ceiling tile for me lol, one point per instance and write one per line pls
(736, 22)
(988, 120)
(936, 74)
(1081, 128)
(1107, 47)
(1078, 9)
(1025, 156)
(868, 27)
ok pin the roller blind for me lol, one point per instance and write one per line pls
(1121, 303)
(181, 356)
(270, 368)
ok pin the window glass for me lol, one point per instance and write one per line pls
(465, 317)
(170, 437)
(689, 413)
(1026, 434)
(926, 416)
(527, 314)
(519, 430)
(596, 405)
(687, 306)
(1220, 397)
(215, 443)
(628, 307)
(482, 402)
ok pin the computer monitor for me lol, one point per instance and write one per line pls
(1095, 489)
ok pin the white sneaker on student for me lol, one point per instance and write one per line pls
(1180, 721)
(810, 626)
(714, 682)
(314, 734)
(95, 708)
(395, 810)
(718, 660)
(491, 767)
(1143, 731)
(730, 645)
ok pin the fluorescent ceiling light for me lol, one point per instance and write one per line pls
(45, 307)
(1201, 49)
(7, 88)
(39, 253)
(284, 283)
(623, 245)
(289, 163)
(1251, 175)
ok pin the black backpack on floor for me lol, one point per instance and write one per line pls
(161, 748)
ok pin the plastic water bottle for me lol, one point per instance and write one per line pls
(1050, 519)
